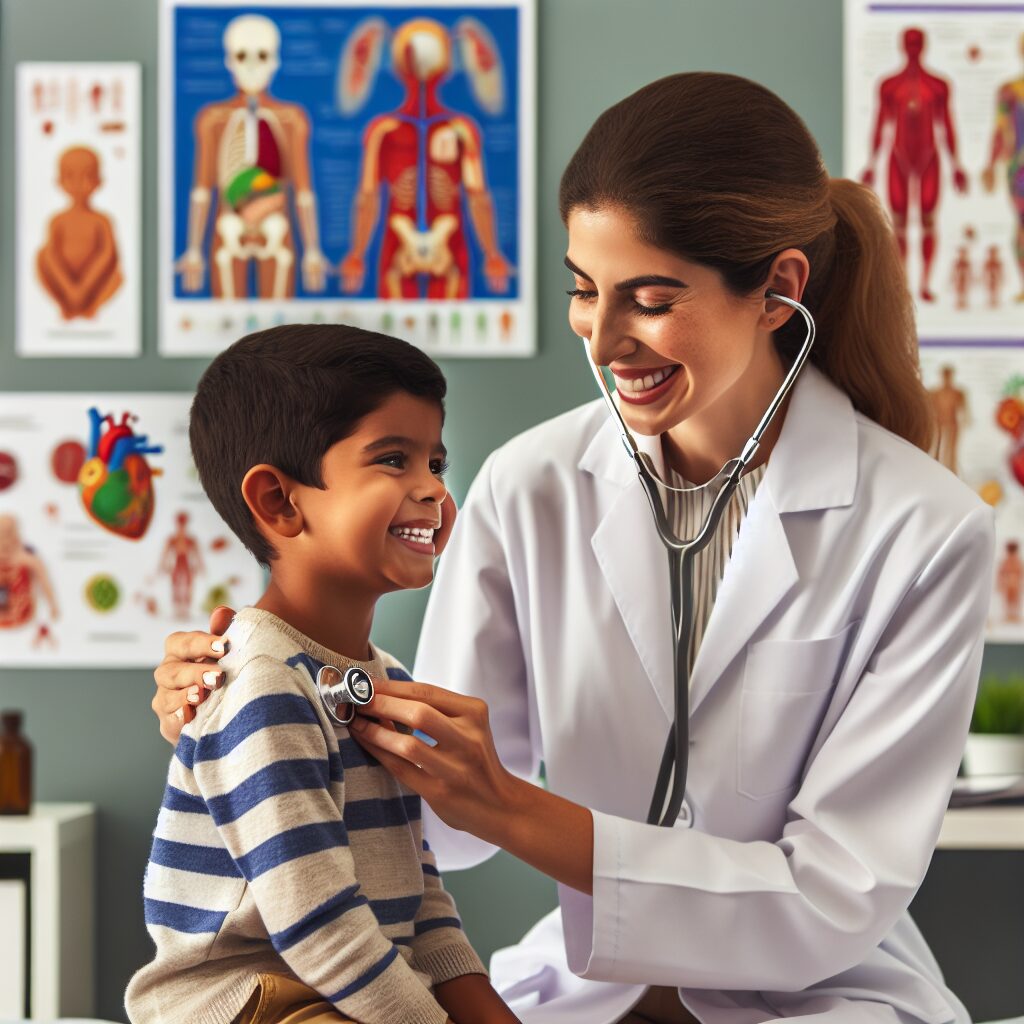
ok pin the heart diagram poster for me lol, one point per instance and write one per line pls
(107, 541)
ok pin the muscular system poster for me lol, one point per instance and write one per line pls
(934, 105)
(354, 163)
(78, 186)
(934, 121)
(107, 541)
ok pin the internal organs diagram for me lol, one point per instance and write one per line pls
(78, 265)
(1010, 417)
(116, 481)
(1008, 145)
(914, 101)
(252, 150)
(22, 573)
(428, 157)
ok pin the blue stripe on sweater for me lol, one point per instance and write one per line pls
(259, 713)
(366, 977)
(290, 845)
(182, 918)
(185, 751)
(330, 910)
(397, 909)
(437, 922)
(204, 860)
(178, 800)
(378, 813)
(307, 661)
(285, 776)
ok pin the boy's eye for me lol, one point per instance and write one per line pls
(396, 460)
(439, 466)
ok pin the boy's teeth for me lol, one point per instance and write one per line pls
(418, 534)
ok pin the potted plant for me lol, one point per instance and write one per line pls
(995, 744)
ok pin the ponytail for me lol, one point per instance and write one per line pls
(865, 318)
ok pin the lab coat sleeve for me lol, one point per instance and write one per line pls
(681, 907)
(471, 643)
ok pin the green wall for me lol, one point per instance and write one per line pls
(94, 732)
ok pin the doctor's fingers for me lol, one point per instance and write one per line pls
(415, 715)
(448, 702)
(404, 749)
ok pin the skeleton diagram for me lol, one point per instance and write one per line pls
(1008, 145)
(914, 101)
(428, 157)
(252, 149)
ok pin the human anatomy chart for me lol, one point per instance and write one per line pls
(978, 399)
(78, 187)
(934, 121)
(107, 541)
(341, 162)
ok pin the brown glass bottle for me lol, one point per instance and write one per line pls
(15, 766)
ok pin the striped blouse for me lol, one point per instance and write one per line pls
(687, 511)
(282, 847)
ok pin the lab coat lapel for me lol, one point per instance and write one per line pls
(812, 467)
(759, 574)
(632, 558)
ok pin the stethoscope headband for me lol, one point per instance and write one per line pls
(349, 689)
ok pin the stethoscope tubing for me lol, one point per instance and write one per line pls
(681, 555)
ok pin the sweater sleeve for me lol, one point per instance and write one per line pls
(273, 787)
(439, 944)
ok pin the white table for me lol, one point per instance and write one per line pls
(60, 840)
(983, 828)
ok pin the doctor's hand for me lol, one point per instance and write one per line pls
(185, 678)
(465, 783)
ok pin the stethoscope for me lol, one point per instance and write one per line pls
(681, 555)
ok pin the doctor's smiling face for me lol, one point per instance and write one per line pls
(691, 359)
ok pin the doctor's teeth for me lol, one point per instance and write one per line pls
(645, 383)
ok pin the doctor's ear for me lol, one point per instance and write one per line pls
(787, 276)
(269, 494)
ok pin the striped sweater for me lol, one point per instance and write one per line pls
(281, 846)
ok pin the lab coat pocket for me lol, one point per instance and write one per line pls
(787, 685)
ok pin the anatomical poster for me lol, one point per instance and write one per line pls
(934, 121)
(78, 208)
(368, 164)
(978, 398)
(107, 541)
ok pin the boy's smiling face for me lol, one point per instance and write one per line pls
(373, 523)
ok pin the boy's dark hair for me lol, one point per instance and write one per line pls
(284, 396)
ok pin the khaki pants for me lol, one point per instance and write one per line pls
(659, 1006)
(282, 1000)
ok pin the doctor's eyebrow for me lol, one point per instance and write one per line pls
(398, 441)
(645, 281)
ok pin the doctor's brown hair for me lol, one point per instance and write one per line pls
(720, 171)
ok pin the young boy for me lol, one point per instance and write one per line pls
(288, 879)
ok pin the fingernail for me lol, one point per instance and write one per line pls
(193, 695)
(212, 679)
(179, 713)
(220, 646)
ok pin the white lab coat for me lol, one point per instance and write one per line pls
(829, 704)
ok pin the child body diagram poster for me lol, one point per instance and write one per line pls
(78, 186)
(368, 164)
(107, 541)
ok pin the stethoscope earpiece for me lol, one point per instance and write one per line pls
(349, 689)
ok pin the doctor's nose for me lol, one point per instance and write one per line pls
(608, 341)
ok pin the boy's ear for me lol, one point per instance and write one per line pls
(268, 493)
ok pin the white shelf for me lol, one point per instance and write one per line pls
(60, 840)
(983, 828)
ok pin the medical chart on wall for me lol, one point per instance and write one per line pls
(978, 398)
(107, 541)
(78, 209)
(336, 162)
(934, 120)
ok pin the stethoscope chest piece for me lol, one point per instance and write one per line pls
(341, 692)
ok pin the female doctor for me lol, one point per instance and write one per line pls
(838, 611)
